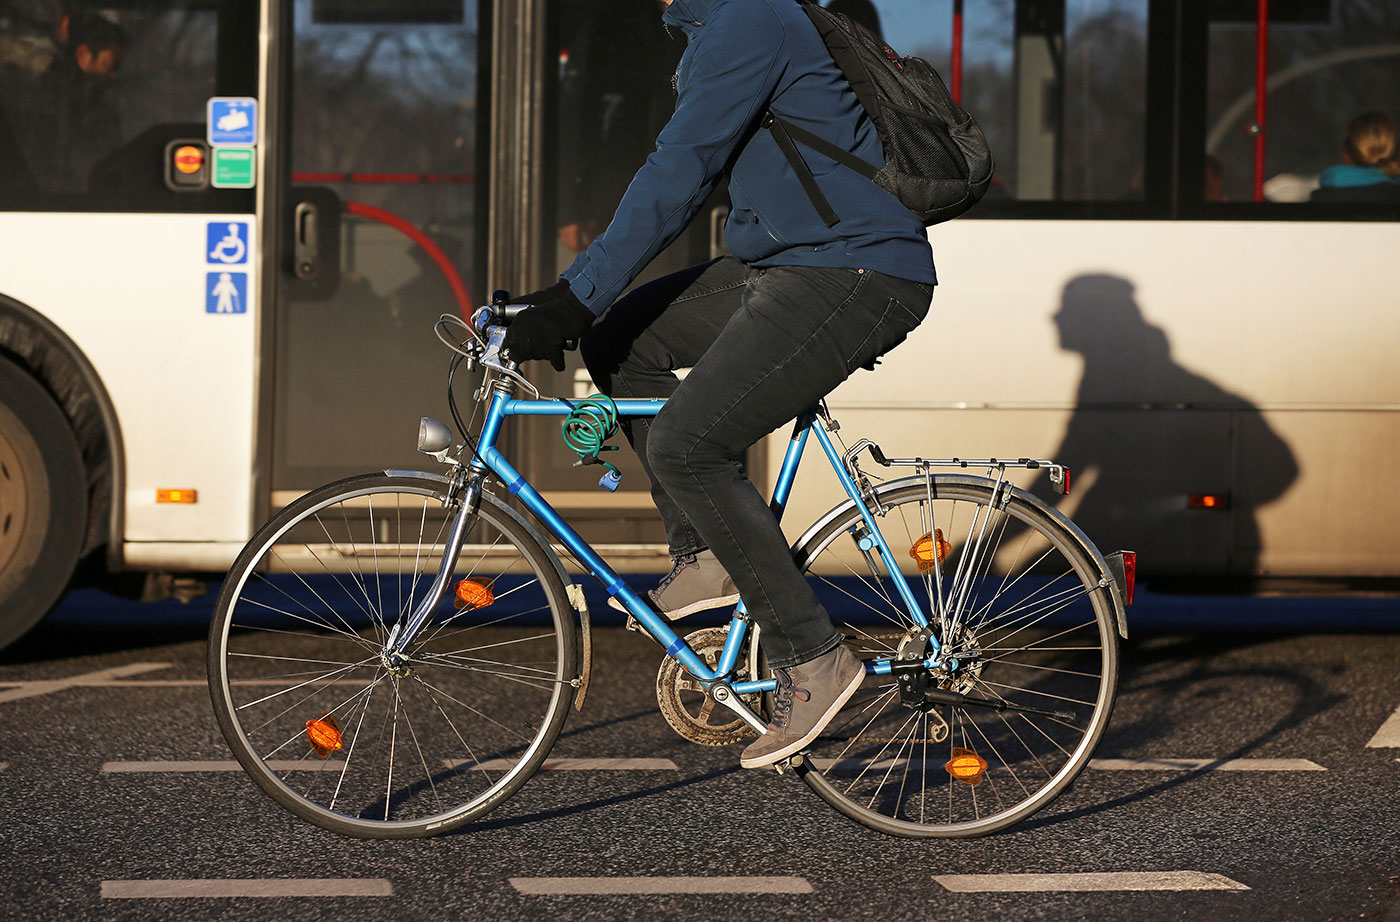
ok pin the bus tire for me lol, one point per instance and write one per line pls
(43, 502)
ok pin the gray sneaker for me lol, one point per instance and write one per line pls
(808, 696)
(695, 583)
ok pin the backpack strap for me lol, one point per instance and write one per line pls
(784, 132)
(779, 129)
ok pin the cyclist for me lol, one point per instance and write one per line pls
(767, 332)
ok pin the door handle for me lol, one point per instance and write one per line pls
(306, 261)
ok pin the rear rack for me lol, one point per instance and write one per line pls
(1059, 474)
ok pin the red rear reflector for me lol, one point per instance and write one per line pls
(1129, 575)
(1208, 501)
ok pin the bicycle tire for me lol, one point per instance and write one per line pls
(1022, 601)
(470, 715)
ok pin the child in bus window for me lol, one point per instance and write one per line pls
(1369, 167)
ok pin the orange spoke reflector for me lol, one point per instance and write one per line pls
(324, 735)
(473, 593)
(925, 549)
(967, 766)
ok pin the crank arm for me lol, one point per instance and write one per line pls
(939, 696)
(724, 695)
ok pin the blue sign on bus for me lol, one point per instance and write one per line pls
(226, 293)
(233, 120)
(227, 243)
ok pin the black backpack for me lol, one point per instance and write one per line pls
(937, 162)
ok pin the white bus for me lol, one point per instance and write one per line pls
(196, 326)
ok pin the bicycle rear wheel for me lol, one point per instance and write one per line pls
(339, 734)
(1022, 600)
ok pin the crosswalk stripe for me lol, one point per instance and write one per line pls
(1086, 883)
(581, 886)
(569, 765)
(233, 889)
(1221, 765)
(1388, 736)
(277, 765)
(292, 765)
(20, 690)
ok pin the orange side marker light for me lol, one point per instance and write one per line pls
(967, 766)
(473, 594)
(930, 549)
(324, 735)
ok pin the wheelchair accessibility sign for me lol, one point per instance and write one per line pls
(226, 293)
(227, 243)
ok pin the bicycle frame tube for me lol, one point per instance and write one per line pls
(489, 458)
(906, 595)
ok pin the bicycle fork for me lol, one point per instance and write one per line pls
(402, 633)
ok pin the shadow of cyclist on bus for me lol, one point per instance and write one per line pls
(1134, 472)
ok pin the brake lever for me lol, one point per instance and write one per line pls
(493, 359)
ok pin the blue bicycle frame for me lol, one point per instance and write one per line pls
(489, 459)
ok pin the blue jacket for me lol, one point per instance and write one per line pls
(1346, 176)
(742, 58)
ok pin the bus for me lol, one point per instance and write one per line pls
(226, 229)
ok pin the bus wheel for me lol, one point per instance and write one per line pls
(43, 502)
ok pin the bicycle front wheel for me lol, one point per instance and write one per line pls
(1021, 600)
(351, 739)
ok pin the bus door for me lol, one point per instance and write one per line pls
(608, 92)
(377, 226)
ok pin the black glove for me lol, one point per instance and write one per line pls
(542, 331)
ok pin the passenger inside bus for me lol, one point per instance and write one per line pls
(1370, 169)
(62, 119)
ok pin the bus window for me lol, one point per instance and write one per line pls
(1327, 63)
(1059, 88)
(383, 132)
(89, 98)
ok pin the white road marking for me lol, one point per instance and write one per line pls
(1388, 736)
(291, 765)
(277, 765)
(20, 690)
(233, 889)
(1217, 765)
(1086, 883)
(581, 886)
(570, 765)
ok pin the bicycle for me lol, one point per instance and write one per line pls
(358, 700)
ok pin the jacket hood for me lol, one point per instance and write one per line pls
(682, 13)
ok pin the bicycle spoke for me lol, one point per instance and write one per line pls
(353, 738)
(1010, 604)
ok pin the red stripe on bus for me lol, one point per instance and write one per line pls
(386, 178)
(449, 271)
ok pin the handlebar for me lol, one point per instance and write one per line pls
(493, 314)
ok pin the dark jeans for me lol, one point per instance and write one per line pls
(763, 345)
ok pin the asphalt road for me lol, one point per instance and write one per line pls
(1251, 772)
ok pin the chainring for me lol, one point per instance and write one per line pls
(687, 707)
